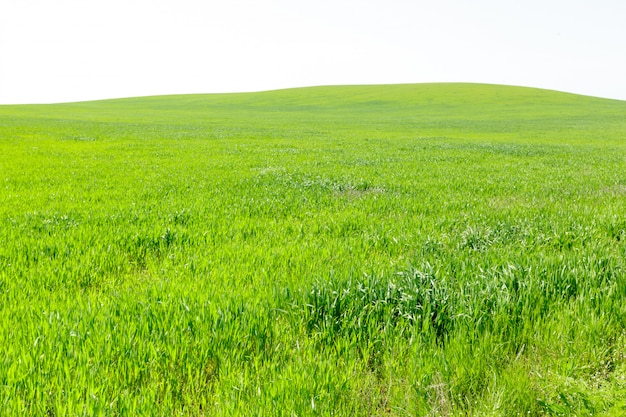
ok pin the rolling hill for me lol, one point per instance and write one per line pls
(419, 249)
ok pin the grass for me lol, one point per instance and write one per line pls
(434, 249)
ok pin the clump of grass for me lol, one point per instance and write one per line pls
(370, 305)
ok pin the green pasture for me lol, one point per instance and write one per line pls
(398, 250)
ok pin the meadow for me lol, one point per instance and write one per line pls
(398, 250)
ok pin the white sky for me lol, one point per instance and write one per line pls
(69, 50)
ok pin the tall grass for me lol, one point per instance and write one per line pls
(444, 249)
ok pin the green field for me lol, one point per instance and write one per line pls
(400, 250)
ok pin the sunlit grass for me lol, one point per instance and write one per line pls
(442, 249)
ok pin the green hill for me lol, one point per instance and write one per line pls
(464, 100)
(426, 249)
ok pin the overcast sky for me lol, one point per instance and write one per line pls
(69, 50)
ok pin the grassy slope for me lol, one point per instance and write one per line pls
(405, 249)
